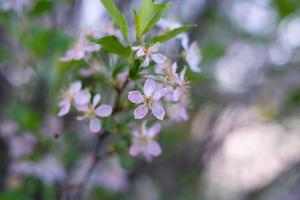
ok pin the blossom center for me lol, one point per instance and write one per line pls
(91, 112)
(148, 101)
(148, 51)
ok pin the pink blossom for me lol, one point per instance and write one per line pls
(178, 111)
(79, 51)
(149, 101)
(144, 142)
(149, 53)
(169, 72)
(178, 89)
(193, 57)
(92, 112)
(75, 95)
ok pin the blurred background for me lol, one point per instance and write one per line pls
(242, 141)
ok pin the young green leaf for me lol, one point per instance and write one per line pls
(150, 14)
(111, 44)
(117, 16)
(170, 34)
(137, 23)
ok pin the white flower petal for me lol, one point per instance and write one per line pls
(146, 62)
(149, 87)
(82, 97)
(76, 86)
(135, 97)
(154, 130)
(158, 111)
(64, 108)
(95, 125)
(96, 100)
(158, 58)
(103, 110)
(140, 112)
(153, 148)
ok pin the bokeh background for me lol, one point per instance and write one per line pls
(242, 141)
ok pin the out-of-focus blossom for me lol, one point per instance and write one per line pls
(193, 57)
(121, 78)
(48, 169)
(15, 5)
(144, 141)
(149, 53)
(21, 145)
(178, 111)
(254, 17)
(92, 70)
(92, 112)
(73, 94)
(103, 30)
(170, 74)
(110, 175)
(179, 89)
(150, 100)
(8, 128)
(80, 50)
(168, 25)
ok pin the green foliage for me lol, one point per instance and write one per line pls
(134, 71)
(148, 16)
(117, 16)
(111, 44)
(41, 7)
(170, 34)
(27, 117)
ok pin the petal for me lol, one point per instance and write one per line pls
(146, 62)
(96, 100)
(95, 125)
(140, 112)
(153, 148)
(158, 58)
(140, 52)
(135, 48)
(158, 111)
(135, 149)
(159, 94)
(154, 130)
(76, 86)
(184, 114)
(155, 47)
(104, 110)
(92, 47)
(82, 108)
(82, 97)
(184, 40)
(135, 97)
(149, 87)
(182, 74)
(193, 57)
(64, 108)
(77, 55)
(174, 68)
(177, 93)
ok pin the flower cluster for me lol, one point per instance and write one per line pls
(156, 86)
(81, 98)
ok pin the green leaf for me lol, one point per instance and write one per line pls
(117, 16)
(150, 14)
(137, 23)
(111, 44)
(170, 34)
(41, 7)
